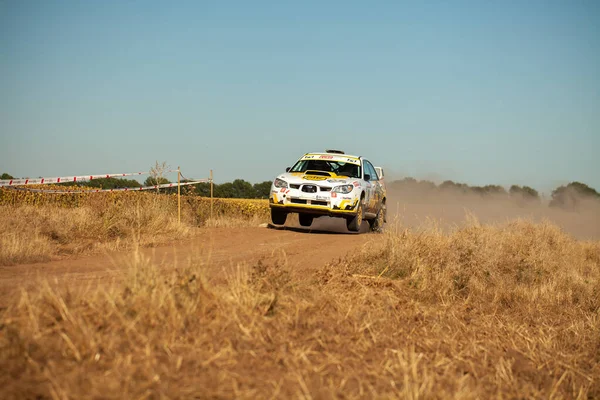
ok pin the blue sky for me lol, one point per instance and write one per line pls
(478, 92)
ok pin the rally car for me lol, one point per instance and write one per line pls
(331, 183)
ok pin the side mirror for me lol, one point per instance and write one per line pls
(288, 169)
(367, 177)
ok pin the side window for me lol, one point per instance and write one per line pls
(369, 169)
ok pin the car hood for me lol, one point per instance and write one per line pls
(330, 180)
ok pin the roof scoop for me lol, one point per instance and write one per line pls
(334, 151)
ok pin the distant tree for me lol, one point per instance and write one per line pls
(525, 193)
(262, 190)
(224, 190)
(112, 183)
(404, 183)
(153, 181)
(104, 183)
(477, 190)
(6, 176)
(157, 174)
(407, 181)
(531, 192)
(203, 189)
(452, 186)
(427, 185)
(571, 195)
(494, 190)
(243, 189)
(239, 188)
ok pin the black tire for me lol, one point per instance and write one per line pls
(353, 224)
(305, 219)
(278, 216)
(376, 224)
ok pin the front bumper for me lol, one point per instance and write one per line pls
(321, 203)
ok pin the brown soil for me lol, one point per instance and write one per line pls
(215, 248)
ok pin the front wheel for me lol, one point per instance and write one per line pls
(305, 219)
(278, 216)
(353, 224)
(376, 224)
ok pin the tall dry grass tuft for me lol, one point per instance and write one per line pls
(515, 265)
(505, 311)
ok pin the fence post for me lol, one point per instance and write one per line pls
(211, 194)
(178, 195)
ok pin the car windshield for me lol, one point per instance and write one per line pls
(337, 167)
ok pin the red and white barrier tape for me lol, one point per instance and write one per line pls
(163, 186)
(62, 179)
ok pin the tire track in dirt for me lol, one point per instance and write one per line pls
(216, 249)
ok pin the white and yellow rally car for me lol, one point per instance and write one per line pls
(331, 183)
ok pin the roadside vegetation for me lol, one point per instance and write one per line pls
(38, 227)
(503, 311)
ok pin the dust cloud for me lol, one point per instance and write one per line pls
(419, 206)
(448, 209)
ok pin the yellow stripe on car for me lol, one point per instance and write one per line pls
(325, 209)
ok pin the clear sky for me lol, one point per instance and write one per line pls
(475, 91)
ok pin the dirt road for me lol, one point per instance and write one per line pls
(216, 249)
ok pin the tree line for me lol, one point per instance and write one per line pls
(412, 184)
(569, 196)
(239, 188)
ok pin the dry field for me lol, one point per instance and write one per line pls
(37, 227)
(501, 310)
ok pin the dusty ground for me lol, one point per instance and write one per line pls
(215, 248)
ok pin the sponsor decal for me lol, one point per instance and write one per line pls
(334, 195)
(356, 184)
(327, 157)
(314, 178)
(336, 180)
(321, 197)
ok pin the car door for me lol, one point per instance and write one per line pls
(372, 188)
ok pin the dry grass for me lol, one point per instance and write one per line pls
(32, 234)
(484, 312)
(230, 221)
(38, 227)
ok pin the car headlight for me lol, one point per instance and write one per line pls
(280, 183)
(345, 189)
